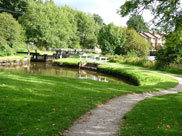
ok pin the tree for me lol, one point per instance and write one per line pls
(168, 16)
(15, 7)
(50, 26)
(172, 52)
(86, 30)
(47, 25)
(74, 40)
(111, 39)
(137, 22)
(11, 34)
(167, 13)
(98, 19)
(134, 43)
(5, 50)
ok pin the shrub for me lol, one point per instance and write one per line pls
(134, 43)
(174, 68)
(172, 52)
(111, 39)
(132, 60)
(5, 50)
(11, 34)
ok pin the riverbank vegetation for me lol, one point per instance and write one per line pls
(133, 60)
(138, 75)
(155, 116)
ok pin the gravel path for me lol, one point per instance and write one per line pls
(105, 120)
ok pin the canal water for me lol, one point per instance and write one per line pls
(50, 70)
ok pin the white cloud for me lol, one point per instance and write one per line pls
(107, 9)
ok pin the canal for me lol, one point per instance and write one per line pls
(50, 70)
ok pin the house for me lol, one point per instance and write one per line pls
(156, 41)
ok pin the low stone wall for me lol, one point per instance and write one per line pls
(14, 62)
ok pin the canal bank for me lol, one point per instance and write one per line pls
(33, 104)
(106, 68)
(47, 69)
(14, 61)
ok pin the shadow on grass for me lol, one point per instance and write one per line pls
(43, 105)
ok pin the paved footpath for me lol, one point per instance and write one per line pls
(105, 120)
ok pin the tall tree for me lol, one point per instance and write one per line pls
(15, 7)
(98, 19)
(137, 22)
(134, 43)
(111, 39)
(11, 34)
(86, 30)
(167, 13)
(46, 25)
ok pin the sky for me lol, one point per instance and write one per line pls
(107, 9)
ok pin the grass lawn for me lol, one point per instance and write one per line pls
(138, 75)
(17, 57)
(157, 116)
(35, 105)
(154, 69)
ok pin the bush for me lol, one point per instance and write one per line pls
(134, 43)
(172, 52)
(132, 59)
(5, 50)
(110, 39)
(174, 68)
(11, 34)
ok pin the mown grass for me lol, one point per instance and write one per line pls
(144, 63)
(45, 106)
(69, 62)
(138, 76)
(157, 116)
(10, 58)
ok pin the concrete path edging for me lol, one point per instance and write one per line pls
(106, 119)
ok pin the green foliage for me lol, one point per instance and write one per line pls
(15, 7)
(74, 40)
(169, 14)
(50, 26)
(134, 43)
(172, 52)
(11, 34)
(118, 72)
(5, 50)
(137, 22)
(86, 30)
(45, 25)
(174, 68)
(132, 59)
(98, 19)
(166, 13)
(111, 39)
(136, 75)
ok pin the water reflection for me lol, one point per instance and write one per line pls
(48, 69)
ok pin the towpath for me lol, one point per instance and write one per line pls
(105, 120)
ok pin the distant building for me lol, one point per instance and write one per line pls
(156, 41)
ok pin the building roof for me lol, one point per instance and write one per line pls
(149, 35)
(143, 35)
(159, 36)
